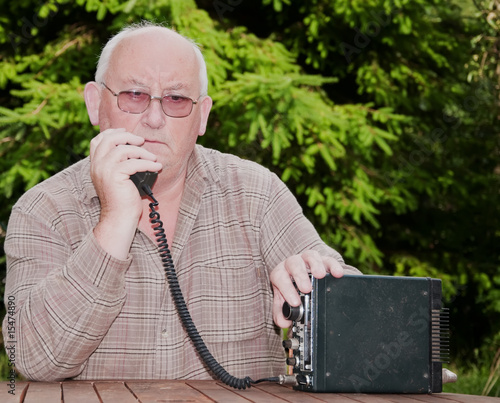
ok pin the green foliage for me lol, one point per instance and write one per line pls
(471, 381)
(380, 115)
(481, 376)
(434, 209)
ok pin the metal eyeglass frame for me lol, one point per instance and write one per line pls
(151, 97)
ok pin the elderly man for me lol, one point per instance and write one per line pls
(83, 264)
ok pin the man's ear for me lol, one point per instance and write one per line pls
(92, 95)
(205, 107)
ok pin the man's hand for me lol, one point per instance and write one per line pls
(297, 268)
(115, 154)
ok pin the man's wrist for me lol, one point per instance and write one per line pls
(116, 237)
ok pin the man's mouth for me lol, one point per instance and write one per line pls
(153, 141)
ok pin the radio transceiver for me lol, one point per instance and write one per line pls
(369, 334)
(352, 334)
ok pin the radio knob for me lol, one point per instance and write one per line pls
(291, 344)
(303, 380)
(291, 361)
(293, 313)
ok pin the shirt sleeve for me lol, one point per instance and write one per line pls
(285, 231)
(66, 296)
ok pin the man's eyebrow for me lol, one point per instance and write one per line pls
(131, 82)
(176, 87)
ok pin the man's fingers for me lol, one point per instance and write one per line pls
(333, 266)
(314, 263)
(294, 273)
(120, 152)
(111, 138)
(282, 282)
(298, 269)
(278, 317)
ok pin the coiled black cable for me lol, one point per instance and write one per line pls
(180, 304)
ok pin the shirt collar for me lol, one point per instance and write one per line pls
(199, 169)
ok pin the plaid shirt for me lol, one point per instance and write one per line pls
(80, 313)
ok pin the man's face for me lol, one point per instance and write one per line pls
(159, 64)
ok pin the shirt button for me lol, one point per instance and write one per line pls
(164, 333)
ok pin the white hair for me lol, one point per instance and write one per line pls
(107, 52)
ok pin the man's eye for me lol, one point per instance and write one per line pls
(136, 96)
(175, 98)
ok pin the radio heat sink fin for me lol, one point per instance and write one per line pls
(440, 335)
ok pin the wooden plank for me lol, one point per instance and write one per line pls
(216, 392)
(354, 398)
(114, 392)
(79, 392)
(17, 391)
(426, 398)
(435, 398)
(430, 398)
(297, 396)
(256, 395)
(396, 398)
(454, 397)
(203, 391)
(447, 398)
(43, 392)
(165, 391)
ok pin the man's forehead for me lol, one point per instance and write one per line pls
(169, 59)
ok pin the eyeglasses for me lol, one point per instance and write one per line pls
(136, 102)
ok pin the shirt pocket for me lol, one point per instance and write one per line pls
(228, 304)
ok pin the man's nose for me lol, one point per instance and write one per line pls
(154, 116)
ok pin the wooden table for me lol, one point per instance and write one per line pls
(200, 391)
